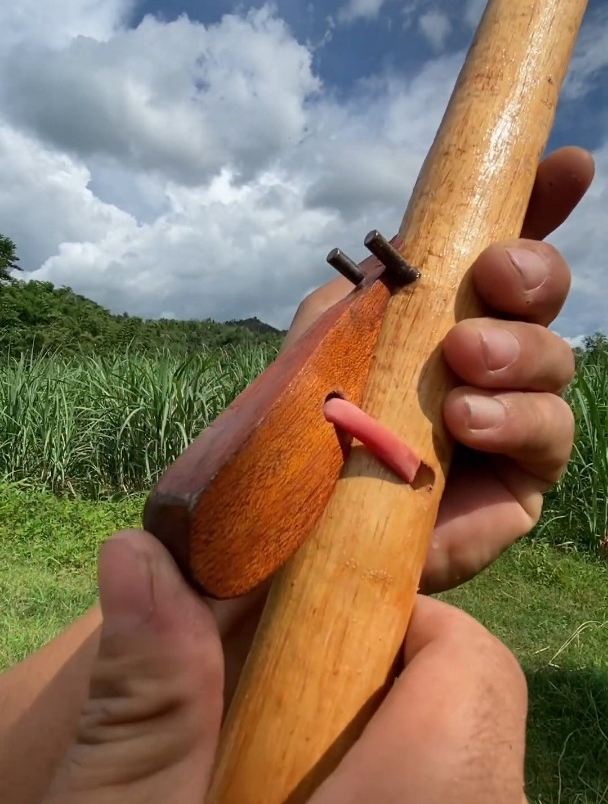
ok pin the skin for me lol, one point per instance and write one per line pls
(126, 705)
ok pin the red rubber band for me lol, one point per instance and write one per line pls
(374, 436)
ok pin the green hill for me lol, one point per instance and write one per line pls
(257, 326)
(39, 316)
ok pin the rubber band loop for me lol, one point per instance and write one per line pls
(377, 438)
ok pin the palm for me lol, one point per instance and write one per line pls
(479, 517)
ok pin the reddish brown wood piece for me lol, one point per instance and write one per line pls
(248, 491)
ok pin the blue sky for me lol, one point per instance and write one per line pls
(199, 159)
(343, 52)
(346, 52)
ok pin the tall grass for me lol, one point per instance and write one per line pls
(100, 426)
(94, 426)
(576, 510)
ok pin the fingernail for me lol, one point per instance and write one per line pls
(125, 587)
(531, 267)
(484, 412)
(500, 348)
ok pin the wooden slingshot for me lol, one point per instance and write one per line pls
(271, 487)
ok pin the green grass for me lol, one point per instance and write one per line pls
(578, 505)
(98, 431)
(95, 426)
(549, 606)
(49, 548)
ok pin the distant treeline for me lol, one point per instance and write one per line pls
(39, 317)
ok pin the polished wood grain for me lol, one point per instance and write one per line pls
(250, 489)
(332, 630)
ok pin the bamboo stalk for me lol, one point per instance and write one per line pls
(338, 611)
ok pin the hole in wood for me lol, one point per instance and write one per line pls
(424, 479)
(345, 440)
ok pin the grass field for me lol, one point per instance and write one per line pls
(96, 426)
(549, 606)
(551, 609)
(82, 442)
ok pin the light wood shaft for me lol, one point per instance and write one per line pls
(337, 614)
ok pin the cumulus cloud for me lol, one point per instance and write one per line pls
(205, 171)
(360, 9)
(29, 22)
(435, 27)
(45, 200)
(178, 98)
(143, 220)
(230, 248)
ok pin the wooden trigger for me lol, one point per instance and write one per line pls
(247, 492)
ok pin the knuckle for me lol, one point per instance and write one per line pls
(96, 720)
(553, 362)
(538, 343)
(490, 658)
(319, 300)
(306, 308)
(546, 426)
(542, 422)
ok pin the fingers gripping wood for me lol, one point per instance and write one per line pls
(334, 623)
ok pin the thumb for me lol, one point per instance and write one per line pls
(451, 729)
(148, 732)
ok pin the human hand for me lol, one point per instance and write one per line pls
(495, 489)
(451, 730)
(479, 517)
(507, 413)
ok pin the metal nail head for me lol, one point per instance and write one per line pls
(399, 270)
(345, 266)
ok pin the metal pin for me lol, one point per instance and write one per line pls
(398, 269)
(345, 266)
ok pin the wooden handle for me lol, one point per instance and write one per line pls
(338, 611)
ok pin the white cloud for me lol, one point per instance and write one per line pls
(177, 98)
(590, 57)
(577, 342)
(44, 199)
(584, 241)
(435, 27)
(360, 9)
(227, 249)
(218, 252)
(196, 171)
(32, 22)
